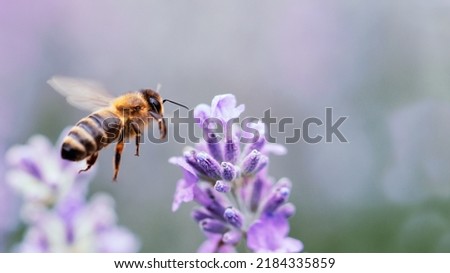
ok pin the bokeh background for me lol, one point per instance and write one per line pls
(384, 64)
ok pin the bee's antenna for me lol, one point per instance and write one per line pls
(174, 102)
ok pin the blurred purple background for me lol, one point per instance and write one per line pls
(384, 64)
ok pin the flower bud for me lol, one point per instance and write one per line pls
(213, 226)
(250, 162)
(190, 157)
(222, 186)
(229, 171)
(200, 214)
(233, 217)
(214, 146)
(277, 198)
(208, 165)
(231, 153)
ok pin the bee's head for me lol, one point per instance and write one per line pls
(154, 100)
(156, 109)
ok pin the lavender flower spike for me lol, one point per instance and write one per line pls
(55, 212)
(228, 179)
(79, 227)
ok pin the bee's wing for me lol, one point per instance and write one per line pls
(81, 93)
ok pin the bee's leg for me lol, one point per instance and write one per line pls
(162, 128)
(136, 130)
(161, 123)
(119, 149)
(90, 162)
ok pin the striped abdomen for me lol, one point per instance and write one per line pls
(91, 134)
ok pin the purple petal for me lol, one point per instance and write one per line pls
(214, 244)
(269, 235)
(260, 236)
(30, 166)
(38, 173)
(30, 157)
(202, 112)
(184, 193)
(184, 189)
(180, 161)
(224, 107)
(211, 244)
(287, 210)
(70, 207)
(226, 248)
(261, 144)
(260, 128)
(292, 245)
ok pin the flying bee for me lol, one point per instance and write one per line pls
(113, 119)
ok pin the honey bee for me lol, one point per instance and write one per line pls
(112, 119)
